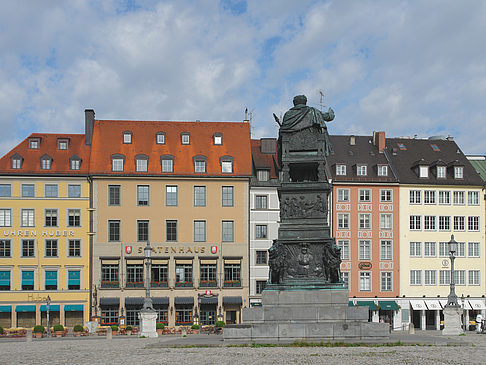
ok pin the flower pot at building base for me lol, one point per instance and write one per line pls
(38, 335)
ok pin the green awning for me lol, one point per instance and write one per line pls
(52, 308)
(25, 308)
(5, 308)
(388, 305)
(73, 308)
(350, 304)
(369, 303)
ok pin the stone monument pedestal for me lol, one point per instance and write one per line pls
(452, 321)
(305, 315)
(148, 318)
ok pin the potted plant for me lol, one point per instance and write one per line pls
(159, 327)
(114, 329)
(1, 331)
(195, 328)
(78, 329)
(59, 330)
(129, 330)
(219, 327)
(39, 331)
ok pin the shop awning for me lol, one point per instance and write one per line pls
(208, 300)
(467, 306)
(25, 308)
(477, 304)
(388, 305)
(134, 301)
(232, 300)
(184, 300)
(27, 277)
(5, 308)
(418, 305)
(350, 304)
(443, 302)
(73, 308)
(433, 304)
(160, 301)
(109, 301)
(51, 277)
(367, 303)
(5, 278)
(52, 308)
(74, 277)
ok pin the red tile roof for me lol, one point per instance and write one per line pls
(263, 160)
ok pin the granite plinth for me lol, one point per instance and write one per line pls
(452, 321)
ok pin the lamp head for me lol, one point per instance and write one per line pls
(147, 250)
(452, 245)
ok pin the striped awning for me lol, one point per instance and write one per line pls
(184, 300)
(208, 300)
(110, 301)
(160, 301)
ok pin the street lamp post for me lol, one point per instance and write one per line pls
(452, 298)
(147, 315)
(48, 304)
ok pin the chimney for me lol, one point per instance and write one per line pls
(352, 140)
(379, 140)
(89, 116)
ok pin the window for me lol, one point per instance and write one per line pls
(5, 217)
(167, 164)
(444, 223)
(261, 257)
(260, 286)
(386, 250)
(227, 196)
(459, 223)
(472, 197)
(50, 190)
(27, 280)
(185, 138)
(461, 249)
(199, 196)
(345, 278)
(74, 248)
(117, 164)
(444, 277)
(109, 275)
(28, 217)
(109, 314)
(382, 170)
(443, 249)
(415, 222)
(415, 277)
(227, 166)
(430, 277)
(458, 172)
(344, 246)
(134, 275)
(232, 275)
(473, 249)
(343, 220)
(263, 175)
(342, 195)
(365, 281)
(364, 250)
(227, 231)
(458, 197)
(74, 191)
(142, 230)
(429, 222)
(183, 275)
(199, 231)
(16, 162)
(441, 172)
(444, 197)
(62, 144)
(45, 162)
(261, 202)
(361, 170)
(127, 137)
(430, 249)
(160, 138)
(208, 275)
(171, 230)
(75, 163)
(260, 231)
(415, 249)
(160, 274)
(341, 170)
(50, 217)
(218, 139)
(473, 277)
(171, 195)
(51, 280)
(51, 248)
(415, 196)
(364, 221)
(386, 196)
(386, 281)
(34, 143)
(28, 248)
(114, 194)
(184, 315)
(142, 195)
(424, 171)
(113, 230)
(74, 217)
(364, 195)
(429, 197)
(141, 164)
(460, 277)
(386, 221)
(473, 224)
(5, 190)
(74, 279)
(5, 248)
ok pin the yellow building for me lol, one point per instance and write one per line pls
(44, 225)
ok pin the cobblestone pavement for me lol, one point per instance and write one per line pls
(469, 349)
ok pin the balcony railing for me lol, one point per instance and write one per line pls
(110, 284)
(159, 284)
(135, 284)
(183, 284)
(232, 283)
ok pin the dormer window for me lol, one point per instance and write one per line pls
(424, 171)
(46, 162)
(74, 163)
(34, 143)
(341, 169)
(200, 164)
(167, 163)
(62, 144)
(458, 172)
(441, 172)
(127, 137)
(382, 170)
(218, 139)
(16, 161)
(185, 138)
(141, 163)
(117, 162)
(361, 170)
(160, 138)
(263, 175)
(226, 164)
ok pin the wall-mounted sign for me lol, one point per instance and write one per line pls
(365, 266)
(33, 233)
(445, 263)
(175, 249)
(128, 249)
(214, 249)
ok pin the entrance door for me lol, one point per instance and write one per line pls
(430, 320)
(230, 317)
(416, 319)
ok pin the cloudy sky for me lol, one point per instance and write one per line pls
(405, 67)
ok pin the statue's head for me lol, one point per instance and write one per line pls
(300, 100)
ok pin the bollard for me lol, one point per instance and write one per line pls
(184, 331)
(411, 329)
(28, 335)
(109, 333)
